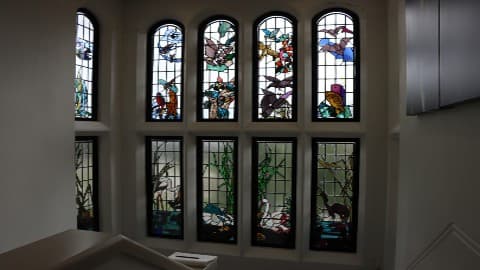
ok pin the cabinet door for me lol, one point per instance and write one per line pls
(422, 55)
(459, 60)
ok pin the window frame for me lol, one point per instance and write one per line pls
(150, 47)
(356, 81)
(95, 59)
(149, 187)
(200, 71)
(255, 69)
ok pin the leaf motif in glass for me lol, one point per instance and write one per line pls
(86, 183)
(218, 189)
(276, 78)
(274, 192)
(218, 71)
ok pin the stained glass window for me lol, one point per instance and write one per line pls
(274, 170)
(86, 58)
(217, 189)
(275, 74)
(164, 186)
(86, 183)
(336, 67)
(218, 70)
(334, 194)
(165, 62)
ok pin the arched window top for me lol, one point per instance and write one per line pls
(335, 66)
(86, 63)
(288, 18)
(218, 69)
(165, 71)
(275, 72)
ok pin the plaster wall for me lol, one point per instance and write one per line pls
(36, 119)
(437, 227)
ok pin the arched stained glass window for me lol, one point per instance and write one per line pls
(165, 72)
(336, 67)
(275, 73)
(218, 70)
(86, 62)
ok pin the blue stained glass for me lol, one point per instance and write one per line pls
(276, 69)
(217, 183)
(336, 67)
(218, 71)
(165, 187)
(85, 67)
(167, 71)
(334, 188)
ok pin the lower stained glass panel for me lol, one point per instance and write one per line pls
(334, 194)
(164, 186)
(273, 201)
(86, 185)
(217, 189)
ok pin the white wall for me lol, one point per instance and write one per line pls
(438, 183)
(36, 120)
(37, 194)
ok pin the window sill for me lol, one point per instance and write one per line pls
(91, 126)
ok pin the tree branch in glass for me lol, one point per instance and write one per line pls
(83, 196)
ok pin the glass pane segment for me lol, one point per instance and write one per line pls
(334, 192)
(218, 71)
(217, 189)
(274, 192)
(165, 196)
(86, 183)
(85, 67)
(336, 65)
(276, 78)
(167, 73)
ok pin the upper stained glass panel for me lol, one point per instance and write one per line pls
(335, 67)
(274, 192)
(85, 66)
(218, 70)
(275, 71)
(166, 45)
(165, 192)
(86, 164)
(217, 165)
(334, 195)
